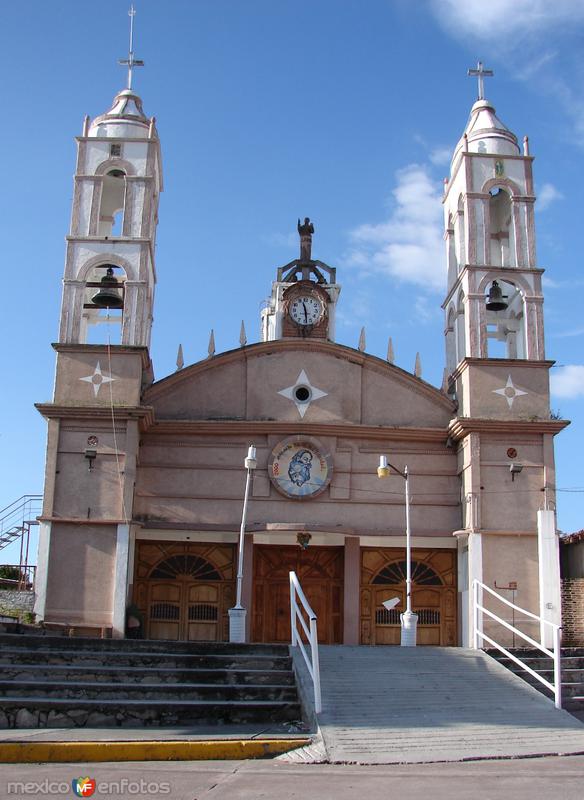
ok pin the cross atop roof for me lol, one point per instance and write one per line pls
(481, 73)
(130, 61)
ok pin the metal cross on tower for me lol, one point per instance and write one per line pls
(131, 62)
(480, 72)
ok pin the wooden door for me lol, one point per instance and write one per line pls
(185, 589)
(433, 595)
(320, 572)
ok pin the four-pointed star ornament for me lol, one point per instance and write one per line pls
(302, 393)
(97, 379)
(509, 391)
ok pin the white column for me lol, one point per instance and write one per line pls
(121, 581)
(475, 570)
(42, 572)
(548, 547)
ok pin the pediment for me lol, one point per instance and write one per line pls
(299, 381)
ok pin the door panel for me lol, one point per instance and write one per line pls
(433, 595)
(320, 572)
(192, 601)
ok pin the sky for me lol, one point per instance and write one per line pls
(346, 111)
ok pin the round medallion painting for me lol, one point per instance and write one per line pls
(300, 468)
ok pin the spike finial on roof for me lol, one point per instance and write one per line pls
(362, 341)
(180, 362)
(418, 366)
(390, 352)
(211, 348)
(242, 335)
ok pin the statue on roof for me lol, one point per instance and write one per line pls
(305, 229)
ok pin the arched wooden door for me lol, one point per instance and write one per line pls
(184, 590)
(320, 572)
(383, 575)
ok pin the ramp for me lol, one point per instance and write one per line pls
(388, 705)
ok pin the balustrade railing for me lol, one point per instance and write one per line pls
(311, 633)
(555, 654)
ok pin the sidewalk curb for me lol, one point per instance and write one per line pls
(209, 750)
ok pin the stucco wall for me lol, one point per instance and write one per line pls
(81, 570)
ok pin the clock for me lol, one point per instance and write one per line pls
(306, 310)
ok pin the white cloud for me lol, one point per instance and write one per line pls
(547, 195)
(517, 32)
(568, 381)
(441, 156)
(423, 311)
(358, 312)
(408, 245)
(505, 21)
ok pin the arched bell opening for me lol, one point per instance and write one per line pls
(505, 320)
(460, 252)
(451, 251)
(113, 200)
(103, 305)
(459, 329)
(451, 355)
(501, 233)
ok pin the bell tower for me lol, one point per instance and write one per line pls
(86, 531)
(494, 302)
(304, 296)
(109, 264)
(498, 371)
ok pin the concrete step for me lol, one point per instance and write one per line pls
(34, 712)
(540, 663)
(87, 690)
(167, 659)
(572, 666)
(51, 682)
(78, 644)
(116, 674)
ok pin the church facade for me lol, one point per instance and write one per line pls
(145, 479)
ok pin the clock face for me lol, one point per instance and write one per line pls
(306, 310)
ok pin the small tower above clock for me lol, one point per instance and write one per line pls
(304, 296)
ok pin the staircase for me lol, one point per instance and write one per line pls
(17, 518)
(572, 673)
(57, 682)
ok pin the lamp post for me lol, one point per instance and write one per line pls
(238, 613)
(409, 620)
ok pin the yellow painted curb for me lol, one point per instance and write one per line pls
(218, 749)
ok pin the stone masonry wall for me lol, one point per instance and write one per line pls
(572, 611)
(14, 601)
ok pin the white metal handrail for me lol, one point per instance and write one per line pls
(311, 634)
(555, 654)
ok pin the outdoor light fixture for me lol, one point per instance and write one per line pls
(238, 613)
(303, 539)
(409, 620)
(515, 469)
(90, 455)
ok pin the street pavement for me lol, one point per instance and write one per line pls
(552, 778)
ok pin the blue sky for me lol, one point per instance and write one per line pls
(342, 110)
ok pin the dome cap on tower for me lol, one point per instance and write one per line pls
(484, 132)
(126, 111)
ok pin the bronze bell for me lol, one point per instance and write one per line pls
(108, 295)
(496, 298)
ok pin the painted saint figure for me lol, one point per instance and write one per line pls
(300, 466)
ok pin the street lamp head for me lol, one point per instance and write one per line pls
(251, 460)
(383, 470)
